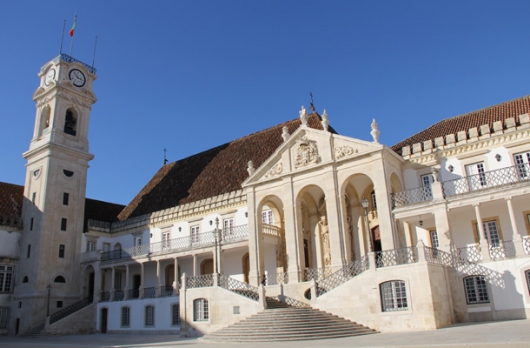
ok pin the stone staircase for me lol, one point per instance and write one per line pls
(281, 322)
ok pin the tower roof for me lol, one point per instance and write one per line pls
(453, 125)
(213, 172)
(11, 196)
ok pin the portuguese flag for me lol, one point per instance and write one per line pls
(71, 32)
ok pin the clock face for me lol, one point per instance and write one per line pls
(49, 77)
(77, 77)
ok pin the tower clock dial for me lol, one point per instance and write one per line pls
(49, 77)
(77, 77)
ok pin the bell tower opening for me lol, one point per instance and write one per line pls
(70, 122)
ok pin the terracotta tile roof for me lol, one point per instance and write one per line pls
(210, 173)
(101, 211)
(453, 125)
(11, 200)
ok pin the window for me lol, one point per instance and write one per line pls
(374, 201)
(61, 251)
(166, 237)
(393, 296)
(125, 316)
(59, 279)
(175, 314)
(63, 224)
(31, 224)
(492, 233)
(267, 217)
(6, 278)
(200, 309)
(228, 227)
(194, 233)
(65, 198)
(522, 163)
(138, 244)
(426, 181)
(476, 290)
(33, 197)
(106, 246)
(149, 316)
(117, 281)
(4, 317)
(29, 251)
(25, 280)
(59, 304)
(90, 245)
(476, 176)
(434, 239)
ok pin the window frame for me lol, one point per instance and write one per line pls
(393, 294)
(125, 316)
(201, 310)
(4, 318)
(7, 277)
(149, 318)
(177, 312)
(195, 230)
(267, 217)
(478, 290)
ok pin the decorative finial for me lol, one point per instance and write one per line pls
(285, 133)
(375, 131)
(325, 120)
(311, 105)
(165, 159)
(303, 116)
(250, 168)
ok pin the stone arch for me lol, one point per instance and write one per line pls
(271, 227)
(313, 231)
(44, 122)
(89, 282)
(207, 266)
(71, 118)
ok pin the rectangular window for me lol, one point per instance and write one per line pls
(125, 316)
(90, 245)
(117, 281)
(175, 314)
(476, 176)
(65, 198)
(194, 233)
(149, 316)
(6, 279)
(434, 239)
(4, 317)
(476, 290)
(33, 197)
(522, 164)
(267, 217)
(31, 224)
(426, 181)
(106, 246)
(59, 304)
(166, 237)
(61, 251)
(492, 233)
(29, 251)
(63, 224)
(393, 296)
(200, 309)
(228, 227)
(138, 245)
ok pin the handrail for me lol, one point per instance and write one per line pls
(69, 310)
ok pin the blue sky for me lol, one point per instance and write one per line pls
(190, 75)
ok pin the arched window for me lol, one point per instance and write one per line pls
(25, 280)
(59, 279)
(70, 122)
(45, 118)
(393, 296)
(476, 290)
(125, 316)
(200, 309)
(149, 316)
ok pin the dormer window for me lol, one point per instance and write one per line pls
(70, 123)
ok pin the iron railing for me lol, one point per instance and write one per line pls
(150, 292)
(69, 310)
(133, 293)
(200, 240)
(119, 295)
(70, 59)
(433, 255)
(395, 257)
(238, 287)
(200, 281)
(166, 290)
(486, 180)
(343, 275)
(315, 273)
(526, 244)
(415, 195)
(104, 296)
(470, 253)
(502, 250)
(276, 278)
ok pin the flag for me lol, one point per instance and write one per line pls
(71, 32)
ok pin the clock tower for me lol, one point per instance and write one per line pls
(54, 193)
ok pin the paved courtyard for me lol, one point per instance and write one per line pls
(506, 334)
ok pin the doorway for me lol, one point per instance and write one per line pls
(137, 282)
(376, 235)
(104, 318)
(91, 287)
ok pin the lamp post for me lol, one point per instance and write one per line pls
(49, 288)
(364, 203)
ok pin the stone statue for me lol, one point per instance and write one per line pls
(250, 168)
(325, 120)
(324, 237)
(303, 116)
(375, 131)
(285, 133)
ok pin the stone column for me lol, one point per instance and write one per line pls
(159, 284)
(127, 282)
(335, 231)
(112, 283)
(443, 228)
(292, 222)
(383, 208)
(97, 282)
(142, 278)
(484, 245)
(254, 240)
(194, 265)
(176, 276)
(516, 237)
(406, 232)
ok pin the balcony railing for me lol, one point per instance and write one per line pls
(486, 180)
(200, 281)
(415, 195)
(270, 230)
(196, 241)
(502, 250)
(119, 295)
(526, 244)
(315, 273)
(395, 257)
(471, 253)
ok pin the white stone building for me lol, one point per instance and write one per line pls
(429, 232)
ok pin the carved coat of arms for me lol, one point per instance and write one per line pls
(306, 153)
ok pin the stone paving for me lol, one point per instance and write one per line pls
(506, 334)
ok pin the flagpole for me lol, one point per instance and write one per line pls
(73, 35)
(62, 38)
(94, 56)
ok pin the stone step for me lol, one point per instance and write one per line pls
(288, 324)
